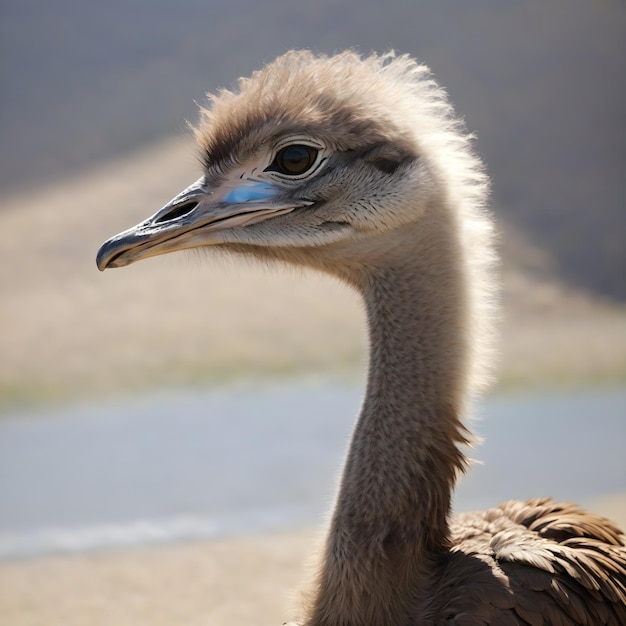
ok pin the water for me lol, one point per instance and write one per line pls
(192, 465)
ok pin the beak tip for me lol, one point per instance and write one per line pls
(105, 256)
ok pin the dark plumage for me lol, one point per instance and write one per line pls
(535, 562)
(359, 168)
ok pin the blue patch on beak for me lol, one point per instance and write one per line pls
(250, 193)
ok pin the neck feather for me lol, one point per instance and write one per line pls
(391, 518)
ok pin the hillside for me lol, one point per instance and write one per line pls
(68, 331)
(542, 85)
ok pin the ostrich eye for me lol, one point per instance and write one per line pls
(293, 160)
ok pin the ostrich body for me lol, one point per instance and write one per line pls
(358, 167)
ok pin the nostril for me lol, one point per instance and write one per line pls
(178, 211)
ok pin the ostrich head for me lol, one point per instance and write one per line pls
(320, 161)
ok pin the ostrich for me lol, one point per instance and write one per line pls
(358, 167)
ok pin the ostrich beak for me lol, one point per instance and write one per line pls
(187, 220)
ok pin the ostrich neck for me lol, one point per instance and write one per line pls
(390, 521)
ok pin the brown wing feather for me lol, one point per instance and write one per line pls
(537, 562)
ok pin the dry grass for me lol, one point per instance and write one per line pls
(552, 336)
(67, 330)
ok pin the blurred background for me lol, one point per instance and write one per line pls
(93, 111)
(94, 104)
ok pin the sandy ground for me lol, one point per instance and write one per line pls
(235, 581)
(222, 582)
